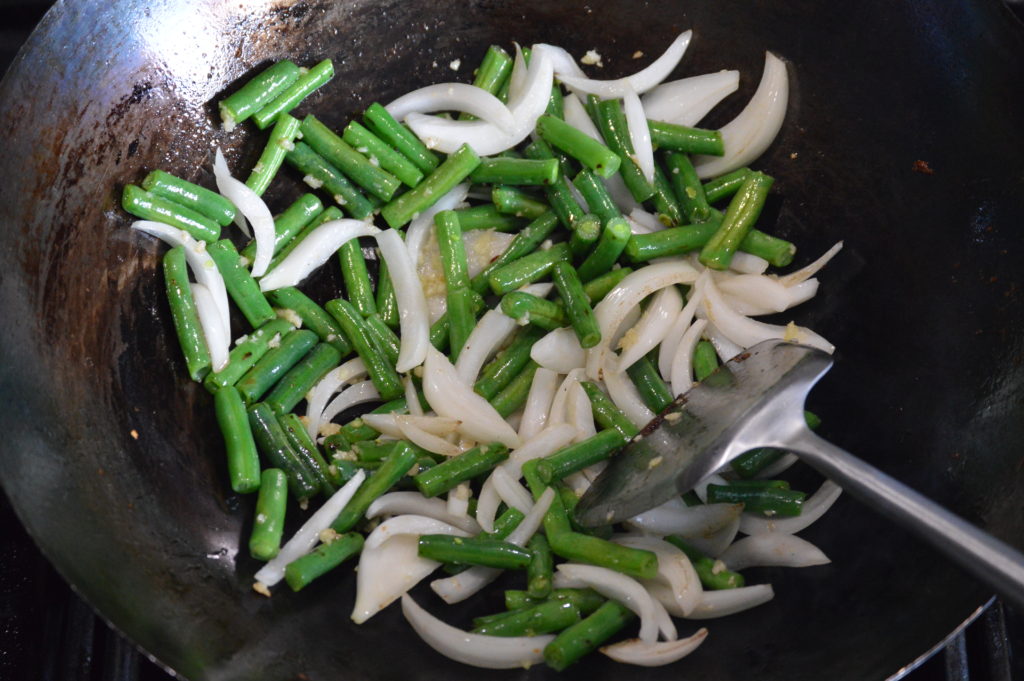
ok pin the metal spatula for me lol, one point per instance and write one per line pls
(756, 400)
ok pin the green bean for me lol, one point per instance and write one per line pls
(511, 201)
(524, 243)
(304, 86)
(268, 525)
(282, 138)
(670, 213)
(506, 522)
(324, 558)
(461, 318)
(653, 390)
(516, 171)
(543, 618)
(598, 287)
(257, 93)
(357, 431)
(540, 571)
(686, 139)
(593, 191)
(687, 187)
(356, 277)
(276, 363)
(382, 337)
(294, 385)
(724, 186)
(184, 314)
(712, 573)
(705, 360)
(365, 142)
(288, 224)
(606, 414)
(508, 363)
(245, 354)
(585, 234)
(485, 551)
(354, 165)
(149, 206)
(776, 251)
(740, 216)
(382, 372)
(314, 317)
(452, 250)
(240, 285)
(387, 300)
(559, 193)
(192, 196)
(486, 216)
(492, 73)
(374, 451)
(465, 466)
(583, 548)
(782, 502)
(515, 393)
(527, 269)
(243, 461)
(586, 635)
(300, 440)
(556, 102)
(273, 443)
(320, 173)
(397, 464)
(526, 307)
(439, 330)
(439, 182)
(611, 121)
(556, 520)
(679, 240)
(585, 600)
(579, 455)
(577, 304)
(400, 137)
(614, 238)
(588, 151)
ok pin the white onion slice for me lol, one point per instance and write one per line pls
(510, 491)
(773, 549)
(808, 271)
(359, 393)
(579, 413)
(423, 224)
(757, 294)
(412, 398)
(654, 325)
(314, 251)
(621, 588)
(639, 133)
(724, 347)
(667, 351)
(487, 504)
(675, 517)
(421, 438)
(546, 442)
(680, 587)
(559, 351)
(387, 424)
(637, 652)
(476, 650)
(576, 116)
(715, 543)
(561, 61)
(254, 209)
(682, 364)
(688, 100)
(449, 396)
(414, 503)
(303, 541)
(643, 222)
(624, 394)
(729, 601)
(538, 403)
(747, 263)
(813, 508)
(624, 298)
(558, 414)
(493, 329)
(218, 339)
(454, 97)
(317, 399)
(221, 173)
(754, 129)
(458, 500)
(412, 305)
(203, 268)
(639, 82)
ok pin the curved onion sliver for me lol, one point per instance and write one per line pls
(682, 364)
(675, 517)
(808, 271)
(559, 350)
(218, 338)
(420, 226)
(412, 304)
(325, 388)
(360, 393)
(314, 251)
(454, 97)
(688, 100)
(729, 601)
(654, 325)
(636, 652)
(639, 82)
(639, 133)
(253, 208)
(421, 438)
(774, 549)
(487, 336)
(414, 503)
(538, 403)
(681, 587)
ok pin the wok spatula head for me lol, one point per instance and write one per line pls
(754, 400)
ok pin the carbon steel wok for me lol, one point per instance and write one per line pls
(113, 460)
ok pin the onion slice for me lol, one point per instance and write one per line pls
(314, 251)
(813, 508)
(493, 329)
(677, 585)
(538, 403)
(477, 650)
(461, 97)
(253, 208)
(218, 338)
(773, 549)
(639, 82)
(412, 304)
(808, 271)
(414, 503)
(221, 174)
(559, 350)
(654, 325)
(729, 601)
(688, 100)
(675, 517)
(639, 133)
(682, 364)
(421, 438)
(325, 388)
(637, 652)
(421, 225)
(360, 393)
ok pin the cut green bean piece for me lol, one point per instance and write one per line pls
(149, 206)
(367, 143)
(397, 464)
(439, 182)
(313, 317)
(324, 558)
(784, 502)
(192, 196)
(506, 522)
(356, 277)
(511, 201)
(540, 571)
(285, 354)
(586, 635)
(614, 238)
(304, 86)
(508, 363)
(487, 217)
(492, 73)
(670, 213)
(375, 450)
(543, 618)
(245, 354)
(585, 149)
(705, 360)
(556, 520)
(686, 139)
(382, 372)
(243, 460)
(740, 216)
(461, 319)
(440, 330)
(579, 455)
(598, 287)
(585, 600)
(273, 443)
(595, 193)
(465, 466)
(524, 243)
(387, 299)
(240, 285)
(383, 337)
(515, 393)
(257, 93)
(559, 193)
(528, 308)
(611, 121)
(515, 171)
(271, 504)
(712, 573)
(357, 431)
(319, 173)
(584, 548)
(294, 385)
(452, 249)
(679, 240)
(484, 551)
(687, 187)
(653, 390)
(577, 304)
(354, 165)
(606, 414)
(288, 224)
(184, 314)
(282, 138)
(400, 137)
(724, 186)
(295, 429)
(585, 234)
(527, 269)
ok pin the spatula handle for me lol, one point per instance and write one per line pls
(990, 560)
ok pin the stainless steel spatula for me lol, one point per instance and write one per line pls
(756, 400)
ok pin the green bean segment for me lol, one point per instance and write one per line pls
(242, 288)
(282, 138)
(342, 156)
(484, 551)
(184, 314)
(305, 85)
(149, 206)
(439, 182)
(192, 196)
(268, 525)
(324, 558)
(465, 466)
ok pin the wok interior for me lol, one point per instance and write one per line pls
(114, 461)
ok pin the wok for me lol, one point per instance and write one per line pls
(113, 461)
